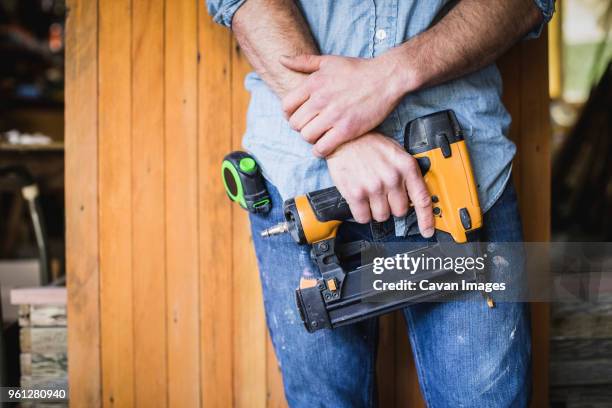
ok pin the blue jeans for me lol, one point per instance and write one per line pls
(466, 354)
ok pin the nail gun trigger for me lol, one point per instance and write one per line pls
(424, 164)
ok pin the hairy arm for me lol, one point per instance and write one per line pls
(267, 30)
(473, 35)
(329, 110)
(270, 29)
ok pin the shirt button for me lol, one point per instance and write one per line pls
(381, 34)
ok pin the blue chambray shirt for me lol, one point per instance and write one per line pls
(366, 29)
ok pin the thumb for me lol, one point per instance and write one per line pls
(306, 63)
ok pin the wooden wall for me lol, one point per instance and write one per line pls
(164, 300)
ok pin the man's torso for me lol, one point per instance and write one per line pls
(367, 29)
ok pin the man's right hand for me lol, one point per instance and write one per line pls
(377, 177)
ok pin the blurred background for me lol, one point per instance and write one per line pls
(31, 182)
(580, 83)
(580, 50)
(32, 243)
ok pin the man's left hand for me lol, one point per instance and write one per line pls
(341, 99)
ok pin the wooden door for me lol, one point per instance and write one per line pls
(164, 300)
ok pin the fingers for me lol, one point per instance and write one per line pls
(398, 202)
(377, 177)
(421, 200)
(380, 207)
(330, 141)
(360, 210)
(306, 63)
(313, 130)
(303, 116)
(294, 99)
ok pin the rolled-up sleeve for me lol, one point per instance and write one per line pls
(547, 8)
(222, 11)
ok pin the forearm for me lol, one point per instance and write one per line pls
(267, 30)
(471, 36)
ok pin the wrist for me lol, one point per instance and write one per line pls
(403, 71)
(288, 82)
(365, 138)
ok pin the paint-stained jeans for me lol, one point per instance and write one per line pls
(466, 354)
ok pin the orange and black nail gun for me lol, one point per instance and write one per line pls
(339, 297)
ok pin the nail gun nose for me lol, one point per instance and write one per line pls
(277, 229)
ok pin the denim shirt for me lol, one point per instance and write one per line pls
(367, 29)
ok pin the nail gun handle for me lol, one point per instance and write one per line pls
(329, 205)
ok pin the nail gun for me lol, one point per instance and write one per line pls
(340, 296)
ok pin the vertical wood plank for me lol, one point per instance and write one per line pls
(534, 198)
(274, 380)
(407, 391)
(249, 321)
(510, 69)
(555, 53)
(535, 135)
(115, 205)
(148, 204)
(215, 217)
(181, 192)
(82, 203)
(524, 69)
